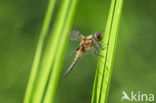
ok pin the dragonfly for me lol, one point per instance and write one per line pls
(87, 43)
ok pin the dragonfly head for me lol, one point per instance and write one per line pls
(99, 36)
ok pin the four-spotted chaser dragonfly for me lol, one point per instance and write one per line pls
(87, 43)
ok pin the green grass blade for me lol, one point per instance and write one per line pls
(104, 67)
(99, 72)
(52, 48)
(36, 61)
(51, 89)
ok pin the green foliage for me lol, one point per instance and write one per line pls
(61, 47)
(35, 65)
(104, 66)
(134, 62)
(51, 62)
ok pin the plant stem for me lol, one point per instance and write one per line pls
(104, 67)
(57, 40)
(35, 65)
(54, 77)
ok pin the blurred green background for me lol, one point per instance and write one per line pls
(135, 60)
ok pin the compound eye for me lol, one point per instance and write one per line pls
(97, 34)
(99, 37)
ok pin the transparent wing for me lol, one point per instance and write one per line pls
(93, 50)
(74, 51)
(75, 35)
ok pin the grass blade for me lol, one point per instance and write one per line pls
(104, 67)
(49, 55)
(51, 89)
(38, 53)
(56, 45)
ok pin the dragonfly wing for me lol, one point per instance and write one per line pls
(75, 50)
(95, 50)
(92, 50)
(75, 35)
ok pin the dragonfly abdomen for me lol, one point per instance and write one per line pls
(73, 64)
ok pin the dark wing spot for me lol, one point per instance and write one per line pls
(77, 48)
(83, 49)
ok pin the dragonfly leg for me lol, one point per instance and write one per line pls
(102, 47)
(96, 52)
(96, 49)
(99, 55)
(99, 45)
